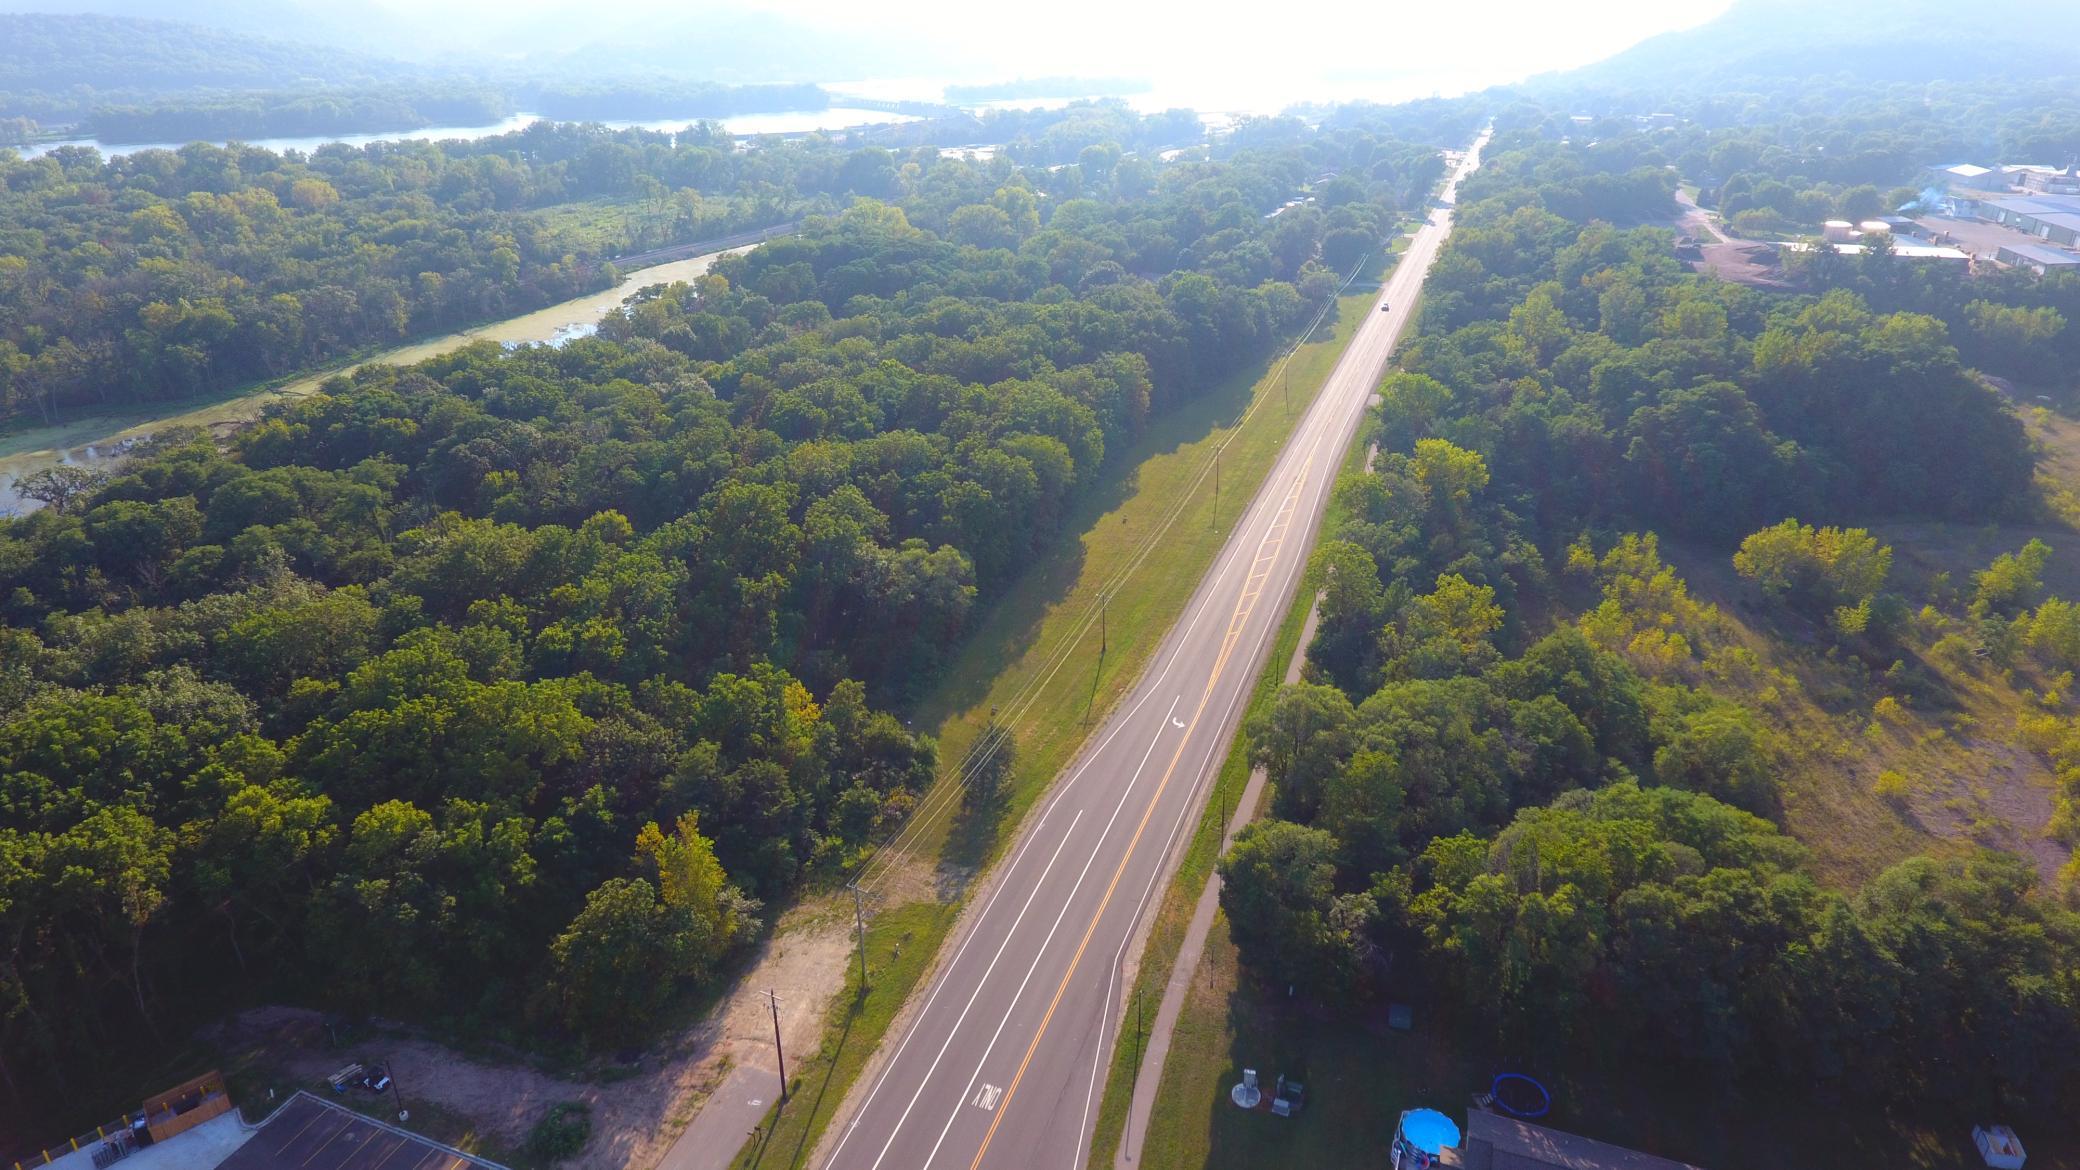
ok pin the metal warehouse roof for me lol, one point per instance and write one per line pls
(2041, 253)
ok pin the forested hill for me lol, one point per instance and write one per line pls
(1914, 40)
(488, 692)
(64, 54)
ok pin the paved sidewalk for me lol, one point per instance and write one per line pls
(725, 1119)
(1149, 1079)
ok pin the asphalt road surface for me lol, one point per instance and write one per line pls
(1001, 1065)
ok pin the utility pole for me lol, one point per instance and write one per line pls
(1134, 1078)
(1103, 641)
(1216, 487)
(779, 1056)
(859, 920)
(396, 1094)
(1288, 379)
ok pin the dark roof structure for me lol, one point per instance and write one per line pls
(311, 1133)
(1495, 1142)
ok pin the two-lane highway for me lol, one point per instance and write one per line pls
(1002, 1063)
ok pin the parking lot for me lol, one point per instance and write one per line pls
(309, 1133)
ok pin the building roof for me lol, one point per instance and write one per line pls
(1967, 170)
(202, 1148)
(1901, 248)
(2036, 205)
(1520, 1145)
(2041, 253)
(311, 1133)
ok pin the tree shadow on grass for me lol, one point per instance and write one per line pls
(1006, 629)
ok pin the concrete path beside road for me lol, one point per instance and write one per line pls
(1194, 946)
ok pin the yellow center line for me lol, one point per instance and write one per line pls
(1244, 606)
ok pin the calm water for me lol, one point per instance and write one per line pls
(791, 122)
(96, 442)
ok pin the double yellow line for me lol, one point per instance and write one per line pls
(1253, 588)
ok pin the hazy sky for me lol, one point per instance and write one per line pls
(1312, 48)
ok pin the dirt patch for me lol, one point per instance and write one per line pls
(1723, 256)
(2007, 806)
(637, 1111)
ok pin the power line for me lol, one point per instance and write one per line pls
(942, 797)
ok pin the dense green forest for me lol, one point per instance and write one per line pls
(499, 692)
(1533, 781)
(125, 80)
(1785, 158)
(56, 67)
(167, 274)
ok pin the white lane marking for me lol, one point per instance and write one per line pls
(955, 1030)
(1062, 791)
(985, 1098)
(1440, 225)
(1176, 722)
(1105, 1009)
(1097, 1049)
(1041, 952)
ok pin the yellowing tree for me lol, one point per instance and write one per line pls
(1817, 569)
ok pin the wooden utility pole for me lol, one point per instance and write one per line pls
(859, 919)
(778, 1056)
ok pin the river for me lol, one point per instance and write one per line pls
(99, 440)
(788, 122)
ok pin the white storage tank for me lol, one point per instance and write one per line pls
(1837, 231)
(1874, 227)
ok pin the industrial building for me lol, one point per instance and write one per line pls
(2048, 217)
(2038, 258)
(193, 1126)
(1968, 175)
(2039, 179)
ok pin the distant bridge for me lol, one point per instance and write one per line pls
(914, 109)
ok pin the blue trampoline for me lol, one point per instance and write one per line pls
(1520, 1096)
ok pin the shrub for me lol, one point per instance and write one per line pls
(561, 1132)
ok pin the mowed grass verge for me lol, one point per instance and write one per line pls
(1043, 659)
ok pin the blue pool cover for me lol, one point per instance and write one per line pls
(1428, 1130)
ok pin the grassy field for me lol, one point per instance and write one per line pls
(1358, 1079)
(900, 947)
